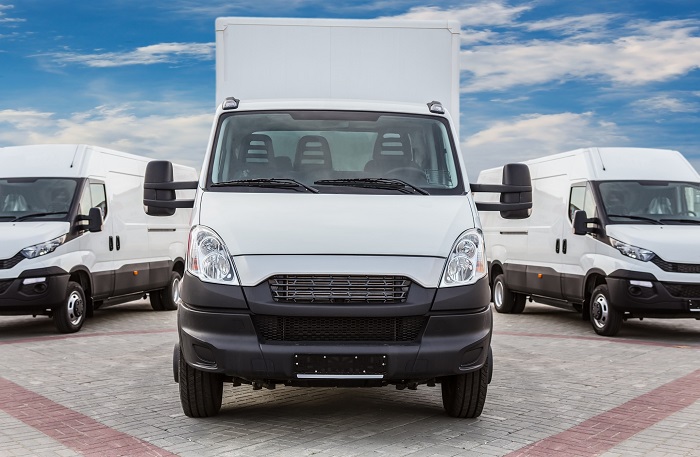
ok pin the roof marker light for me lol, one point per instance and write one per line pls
(436, 107)
(230, 103)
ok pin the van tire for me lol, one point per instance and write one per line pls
(201, 392)
(464, 395)
(504, 300)
(606, 320)
(167, 299)
(69, 318)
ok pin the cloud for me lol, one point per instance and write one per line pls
(535, 135)
(480, 14)
(4, 19)
(665, 103)
(179, 136)
(145, 55)
(587, 25)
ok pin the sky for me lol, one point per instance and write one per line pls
(537, 76)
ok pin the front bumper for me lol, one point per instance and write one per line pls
(18, 298)
(230, 341)
(662, 299)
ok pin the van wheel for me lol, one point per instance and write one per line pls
(168, 298)
(201, 392)
(605, 319)
(464, 395)
(504, 300)
(70, 316)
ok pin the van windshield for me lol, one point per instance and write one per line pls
(651, 202)
(27, 199)
(334, 152)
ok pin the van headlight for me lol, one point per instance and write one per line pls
(642, 254)
(466, 263)
(208, 257)
(44, 248)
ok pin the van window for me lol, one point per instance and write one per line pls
(577, 197)
(654, 202)
(334, 146)
(31, 198)
(99, 198)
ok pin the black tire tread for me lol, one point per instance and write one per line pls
(201, 392)
(513, 303)
(464, 395)
(60, 315)
(614, 317)
(162, 300)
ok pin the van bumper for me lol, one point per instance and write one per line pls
(630, 293)
(18, 298)
(232, 342)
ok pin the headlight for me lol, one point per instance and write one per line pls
(644, 255)
(43, 248)
(208, 258)
(466, 262)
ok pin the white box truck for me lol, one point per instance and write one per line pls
(614, 233)
(74, 236)
(334, 240)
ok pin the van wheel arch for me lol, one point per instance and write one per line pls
(594, 279)
(82, 277)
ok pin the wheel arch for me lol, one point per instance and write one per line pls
(82, 276)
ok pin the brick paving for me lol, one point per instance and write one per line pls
(558, 389)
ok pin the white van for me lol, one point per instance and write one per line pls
(74, 236)
(334, 242)
(614, 232)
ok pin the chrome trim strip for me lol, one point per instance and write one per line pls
(340, 376)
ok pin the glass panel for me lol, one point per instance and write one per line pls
(99, 198)
(576, 200)
(311, 146)
(24, 196)
(667, 202)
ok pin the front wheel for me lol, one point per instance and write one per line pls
(168, 298)
(605, 319)
(70, 316)
(464, 395)
(504, 300)
(201, 392)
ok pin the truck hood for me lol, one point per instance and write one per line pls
(345, 224)
(673, 243)
(15, 236)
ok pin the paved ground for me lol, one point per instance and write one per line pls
(558, 389)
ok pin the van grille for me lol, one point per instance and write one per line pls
(339, 288)
(361, 329)
(6, 264)
(675, 267)
(683, 290)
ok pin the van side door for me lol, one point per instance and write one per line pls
(98, 246)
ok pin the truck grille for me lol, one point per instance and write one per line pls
(6, 264)
(675, 267)
(683, 290)
(5, 284)
(339, 289)
(293, 328)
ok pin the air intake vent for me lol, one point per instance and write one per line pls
(683, 290)
(676, 267)
(339, 289)
(293, 328)
(6, 264)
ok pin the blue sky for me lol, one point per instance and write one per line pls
(537, 77)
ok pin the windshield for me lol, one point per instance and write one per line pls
(47, 198)
(651, 201)
(334, 151)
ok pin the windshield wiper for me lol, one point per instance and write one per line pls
(638, 218)
(376, 183)
(279, 183)
(27, 216)
(689, 221)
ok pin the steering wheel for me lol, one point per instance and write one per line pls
(402, 172)
(687, 213)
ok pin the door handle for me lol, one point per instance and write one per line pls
(119, 245)
(563, 246)
(556, 246)
(111, 243)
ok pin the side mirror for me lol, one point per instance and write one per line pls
(515, 190)
(580, 223)
(159, 189)
(95, 220)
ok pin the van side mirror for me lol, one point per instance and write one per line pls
(159, 189)
(94, 220)
(580, 223)
(516, 193)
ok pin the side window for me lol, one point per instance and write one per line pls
(576, 200)
(85, 202)
(589, 204)
(99, 197)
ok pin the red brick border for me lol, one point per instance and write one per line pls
(71, 428)
(605, 431)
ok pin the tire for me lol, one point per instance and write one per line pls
(168, 298)
(464, 395)
(605, 319)
(504, 300)
(201, 392)
(69, 318)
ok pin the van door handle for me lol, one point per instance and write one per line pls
(111, 243)
(563, 246)
(556, 246)
(119, 245)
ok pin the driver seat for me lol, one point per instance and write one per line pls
(391, 150)
(15, 202)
